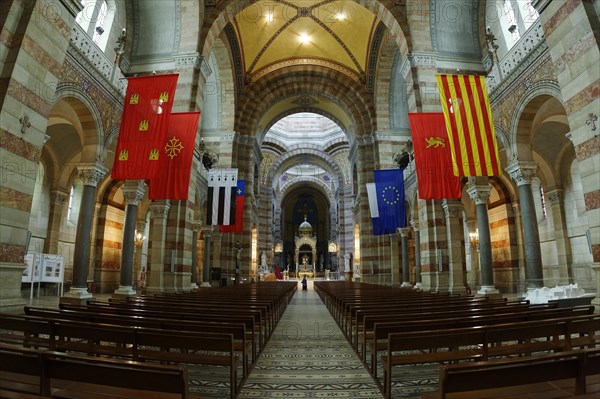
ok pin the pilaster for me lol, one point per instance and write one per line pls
(456, 245)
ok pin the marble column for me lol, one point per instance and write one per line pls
(415, 226)
(206, 232)
(480, 193)
(57, 206)
(404, 234)
(456, 245)
(522, 173)
(90, 175)
(159, 211)
(133, 192)
(194, 269)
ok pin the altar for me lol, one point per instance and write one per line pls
(306, 269)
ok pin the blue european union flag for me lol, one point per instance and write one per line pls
(389, 186)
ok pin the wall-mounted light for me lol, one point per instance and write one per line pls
(474, 237)
(139, 238)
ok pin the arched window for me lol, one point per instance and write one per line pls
(96, 19)
(513, 27)
(74, 202)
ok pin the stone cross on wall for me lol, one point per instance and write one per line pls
(591, 121)
(25, 124)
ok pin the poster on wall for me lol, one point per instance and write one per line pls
(53, 268)
(32, 273)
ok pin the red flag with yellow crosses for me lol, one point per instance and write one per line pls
(173, 180)
(146, 112)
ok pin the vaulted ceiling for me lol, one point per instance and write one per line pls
(323, 32)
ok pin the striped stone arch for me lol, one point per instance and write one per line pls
(89, 117)
(303, 109)
(316, 81)
(304, 151)
(306, 179)
(525, 109)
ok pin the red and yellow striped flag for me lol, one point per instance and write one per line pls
(469, 123)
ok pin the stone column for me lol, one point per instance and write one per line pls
(522, 173)
(206, 232)
(456, 245)
(159, 211)
(404, 233)
(133, 192)
(57, 206)
(90, 175)
(194, 277)
(480, 193)
(415, 226)
(519, 237)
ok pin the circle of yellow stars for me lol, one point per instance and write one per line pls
(395, 193)
(173, 147)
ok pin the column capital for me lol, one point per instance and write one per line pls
(522, 171)
(471, 224)
(140, 225)
(404, 231)
(414, 224)
(479, 193)
(58, 197)
(91, 174)
(207, 230)
(196, 225)
(133, 191)
(160, 209)
(452, 208)
(555, 196)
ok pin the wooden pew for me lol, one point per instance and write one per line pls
(463, 380)
(53, 374)
(481, 343)
(238, 330)
(377, 340)
(257, 333)
(136, 343)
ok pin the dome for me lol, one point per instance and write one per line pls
(305, 228)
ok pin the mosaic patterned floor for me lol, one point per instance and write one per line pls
(308, 357)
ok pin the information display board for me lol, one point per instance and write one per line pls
(44, 268)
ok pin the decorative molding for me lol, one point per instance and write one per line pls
(265, 167)
(236, 55)
(374, 56)
(58, 197)
(341, 158)
(160, 210)
(73, 6)
(518, 60)
(133, 191)
(195, 60)
(554, 197)
(94, 62)
(522, 172)
(255, 76)
(480, 193)
(454, 210)
(91, 174)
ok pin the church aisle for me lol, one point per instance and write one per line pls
(308, 357)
